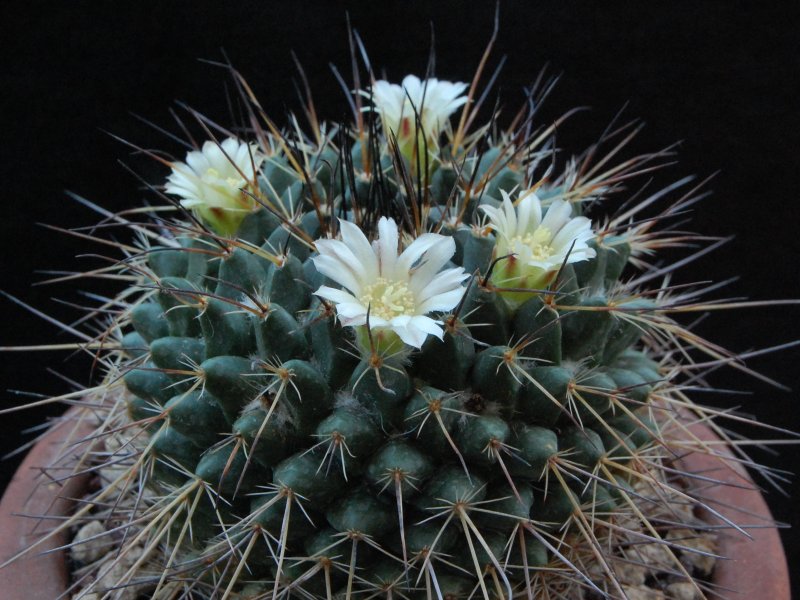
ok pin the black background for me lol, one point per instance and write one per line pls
(720, 77)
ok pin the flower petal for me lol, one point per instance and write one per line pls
(362, 251)
(408, 331)
(443, 302)
(529, 213)
(558, 215)
(386, 246)
(578, 229)
(341, 252)
(196, 161)
(342, 273)
(444, 281)
(335, 295)
(436, 257)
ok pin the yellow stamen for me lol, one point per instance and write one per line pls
(388, 299)
(538, 241)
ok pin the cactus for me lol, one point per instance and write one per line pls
(395, 357)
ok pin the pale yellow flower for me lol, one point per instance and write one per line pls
(399, 291)
(214, 180)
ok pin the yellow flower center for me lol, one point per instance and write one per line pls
(388, 299)
(211, 173)
(213, 176)
(538, 241)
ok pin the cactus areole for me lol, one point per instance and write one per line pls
(399, 357)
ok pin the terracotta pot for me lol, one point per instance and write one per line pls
(32, 491)
(755, 569)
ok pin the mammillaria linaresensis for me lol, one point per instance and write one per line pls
(391, 359)
(398, 357)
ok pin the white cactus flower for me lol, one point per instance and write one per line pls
(212, 180)
(399, 291)
(398, 105)
(539, 245)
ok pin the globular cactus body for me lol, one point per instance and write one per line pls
(322, 436)
(400, 360)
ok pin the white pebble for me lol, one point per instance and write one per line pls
(87, 548)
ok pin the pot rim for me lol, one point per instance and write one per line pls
(754, 567)
(41, 574)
